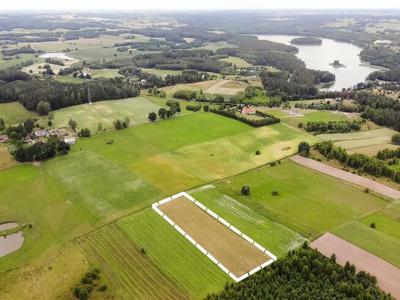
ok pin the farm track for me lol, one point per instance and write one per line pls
(347, 176)
(125, 267)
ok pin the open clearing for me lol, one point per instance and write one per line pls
(239, 62)
(105, 112)
(347, 176)
(386, 274)
(315, 116)
(231, 250)
(14, 112)
(219, 87)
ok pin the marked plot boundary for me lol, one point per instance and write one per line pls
(155, 207)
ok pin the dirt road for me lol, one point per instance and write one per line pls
(388, 276)
(347, 176)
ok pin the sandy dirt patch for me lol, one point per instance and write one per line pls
(388, 276)
(235, 253)
(347, 176)
(226, 87)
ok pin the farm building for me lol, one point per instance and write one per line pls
(3, 138)
(70, 141)
(248, 110)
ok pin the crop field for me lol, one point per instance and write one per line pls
(369, 141)
(161, 73)
(195, 149)
(309, 209)
(232, 251)
(127, 269)
(14, 112)
(105, 112)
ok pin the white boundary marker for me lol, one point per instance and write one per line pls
(222, 221)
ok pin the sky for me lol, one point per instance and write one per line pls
(194, 4)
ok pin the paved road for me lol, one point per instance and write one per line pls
(347, 176)
(388, 276)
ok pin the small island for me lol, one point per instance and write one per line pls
(337, 64)
(309, 41)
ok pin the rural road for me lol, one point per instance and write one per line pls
(347, 176)
(388, 276)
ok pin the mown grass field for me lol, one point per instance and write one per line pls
(106, 112)
(4, 64)
(308, 202)
(194, 149)
(161, 73)
(14, 112)
(6, 160)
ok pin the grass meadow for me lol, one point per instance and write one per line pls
(105, 112)
(14, 112)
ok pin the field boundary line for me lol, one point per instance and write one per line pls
(155, 206)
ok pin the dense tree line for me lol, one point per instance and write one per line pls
(332, 127)
(9, 75)
(389, 75)
(304, 274)
(59, 95)
(326, 106)
(386, 154)
(266, 119)
(381, 56)
(16, 51)
(357, 161)
(159, 45)
(40, 150)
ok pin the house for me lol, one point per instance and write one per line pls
(70, 140)
(3, 139)
(41, 133)
(248, 110)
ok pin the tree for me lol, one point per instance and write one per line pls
(304, 149)
(2, 124)
(245, 190)
(85, 132)
(118, 125)
(29, 125)
(396, 139)
(43, 108)
(152, 116)
(162, 113)
(206, 108)
(73, 124)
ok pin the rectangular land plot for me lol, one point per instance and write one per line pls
(215, 239)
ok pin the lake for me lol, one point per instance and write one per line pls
(320, 57)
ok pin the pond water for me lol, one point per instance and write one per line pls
(11, 242)
(320, 57)
(56, 55)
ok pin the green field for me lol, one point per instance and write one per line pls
(14, 112)
(4, 64)
(307, 201)
(194, 149)
(6, 160)
(162, 73)
(315, 116)
(106, 112)
(105, 73)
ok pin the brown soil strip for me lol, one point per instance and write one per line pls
(388, 276)
(347, 176)
(231, 250)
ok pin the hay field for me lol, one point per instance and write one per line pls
(106, 112)
(6, 160)
(219, 87)
(239, 62)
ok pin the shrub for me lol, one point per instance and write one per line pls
(396, 139)
(258, 152)
(372, 225)
(85, 132)
(193, 108)
(300, 125)
(275, 193)
(43, 108)
(304, 149)
(245, 190)
(152, 116)
(185, 94)
(206, 108)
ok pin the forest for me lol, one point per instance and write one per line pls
(304, 274)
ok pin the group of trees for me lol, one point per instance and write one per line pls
(388, 75)
(17, 51)
(10, 75)
(121, 124)
(381, 56)
(332, 126)
(163, 113)
(263, 120)
(358, 161)
(58, 95)
(386, 154)
(380, 109)
(40, 150)
(304, 274)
